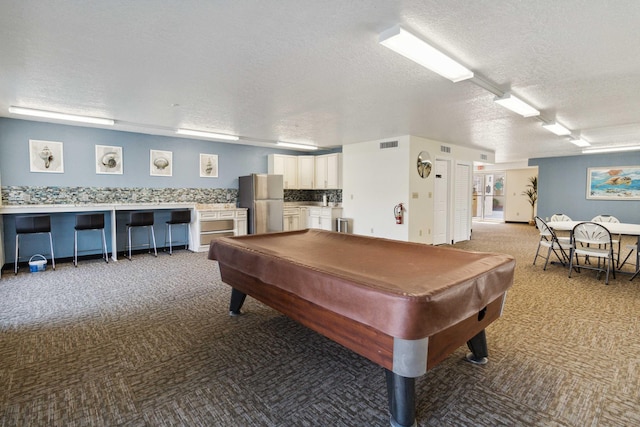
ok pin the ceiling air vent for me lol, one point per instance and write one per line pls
(484, 157)
(445, 149)
(388, 144)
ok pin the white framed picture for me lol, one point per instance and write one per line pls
(109, 160)
(45, 156)
(208, 165)
(161, 163)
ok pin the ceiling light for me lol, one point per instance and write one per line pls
(300, 146)
(579, 142)
(611, 149)
(516, 105)
(60, 116)
(207, 134)
(410, 46)
(556, 128)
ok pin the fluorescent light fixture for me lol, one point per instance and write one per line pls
(611, 149)
(579, 142)
(410, 46)
(207, 134)
(300, 146)
(60, 116)
(556, 128)
(516, 105)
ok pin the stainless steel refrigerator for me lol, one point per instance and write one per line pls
(263, 196)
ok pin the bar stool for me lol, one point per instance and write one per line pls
(33, 224)
(142, 219)
(182, 216)
(89, 222)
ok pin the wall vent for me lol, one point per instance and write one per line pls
(388, 144)
(445, 149)
(484, 157)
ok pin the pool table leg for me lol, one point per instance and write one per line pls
(237, 299)
(478, 347)
(402, 399)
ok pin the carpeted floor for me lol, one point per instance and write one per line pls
(150, 343)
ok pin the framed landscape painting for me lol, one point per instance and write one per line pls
(613, 183)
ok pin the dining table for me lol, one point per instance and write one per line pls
(615, 228)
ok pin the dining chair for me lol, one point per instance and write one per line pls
(592, 241)
(561, 217)
(631, 249)
(616, 242)
(549, 240)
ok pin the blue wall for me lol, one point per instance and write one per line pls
(562, 187)
(79, 153)
(79, 143)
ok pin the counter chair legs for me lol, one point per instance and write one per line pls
(142, 219)
(33, 224)
(89, 222)
(178, 217)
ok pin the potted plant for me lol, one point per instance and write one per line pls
(532, 194)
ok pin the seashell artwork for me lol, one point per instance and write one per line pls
(110, 160)
(47, 156)
(161, 162)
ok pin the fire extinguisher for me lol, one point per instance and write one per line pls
(398, 213)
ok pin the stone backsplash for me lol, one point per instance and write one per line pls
(333, 196)
(23, 195)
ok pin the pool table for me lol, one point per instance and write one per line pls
(405, 306)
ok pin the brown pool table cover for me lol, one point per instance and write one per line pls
(406, 290)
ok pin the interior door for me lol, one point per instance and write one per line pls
(463, 194)
(441, 203)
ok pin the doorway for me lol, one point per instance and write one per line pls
(488, 195)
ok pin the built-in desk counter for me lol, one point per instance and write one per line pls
(116, 217)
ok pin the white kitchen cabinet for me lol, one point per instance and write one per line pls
(240, 228)
(291, 217)
(304, 217)
(324, 218)
(287, 166)
(213, 224)
(306, 172)
(328, 171)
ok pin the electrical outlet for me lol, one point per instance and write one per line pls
(26, 197)
(420, 233)
(372, 231)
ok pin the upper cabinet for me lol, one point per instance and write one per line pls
(328, 171)
(308, 172)
(287, 166)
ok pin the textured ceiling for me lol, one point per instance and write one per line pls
(313, 71)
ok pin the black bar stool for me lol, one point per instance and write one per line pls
(32, 225)
(142, 219)
(88, 222)
(182, 216)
